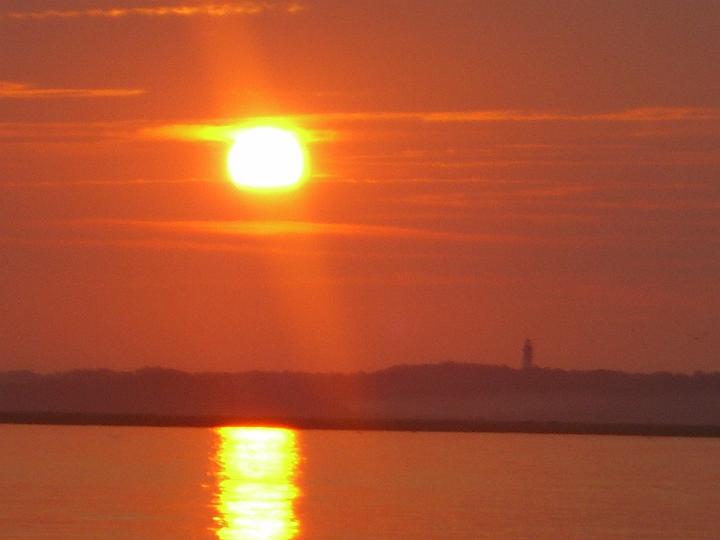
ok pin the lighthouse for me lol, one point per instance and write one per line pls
(527, 357)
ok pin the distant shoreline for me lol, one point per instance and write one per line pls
(447, 426)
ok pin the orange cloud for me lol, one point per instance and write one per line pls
(89, 183)
(15, 90)
(67, 131)
(287, 229)
(140, 243)
(321, 130)
(222, 130)
(646, 114)
(248, 7)
(191, 132)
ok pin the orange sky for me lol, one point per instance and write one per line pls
(481, 172)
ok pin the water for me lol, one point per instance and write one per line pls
(259, 484)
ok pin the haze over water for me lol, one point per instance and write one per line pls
(272, 484)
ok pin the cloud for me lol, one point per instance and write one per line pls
(648, 114)
(287, 229)
(248, 7)
(223, 130)
(191, 132)
(645, 114)
(68, 132)
(15, 90)
(239, 236)
(30, 184)
(313, 127)
(140, 243)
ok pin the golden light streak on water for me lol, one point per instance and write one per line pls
(257, 470)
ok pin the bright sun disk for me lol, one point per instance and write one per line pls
(266, 157)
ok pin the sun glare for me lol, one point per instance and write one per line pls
(266, 157)
(257, 469)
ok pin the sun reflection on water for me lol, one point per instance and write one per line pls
(257, 469)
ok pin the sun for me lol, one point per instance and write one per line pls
(266, 157)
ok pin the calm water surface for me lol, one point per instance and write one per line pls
(274, 484)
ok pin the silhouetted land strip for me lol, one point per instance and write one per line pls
(434, 397)
(455, 426)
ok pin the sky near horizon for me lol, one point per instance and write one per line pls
(480, 172)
